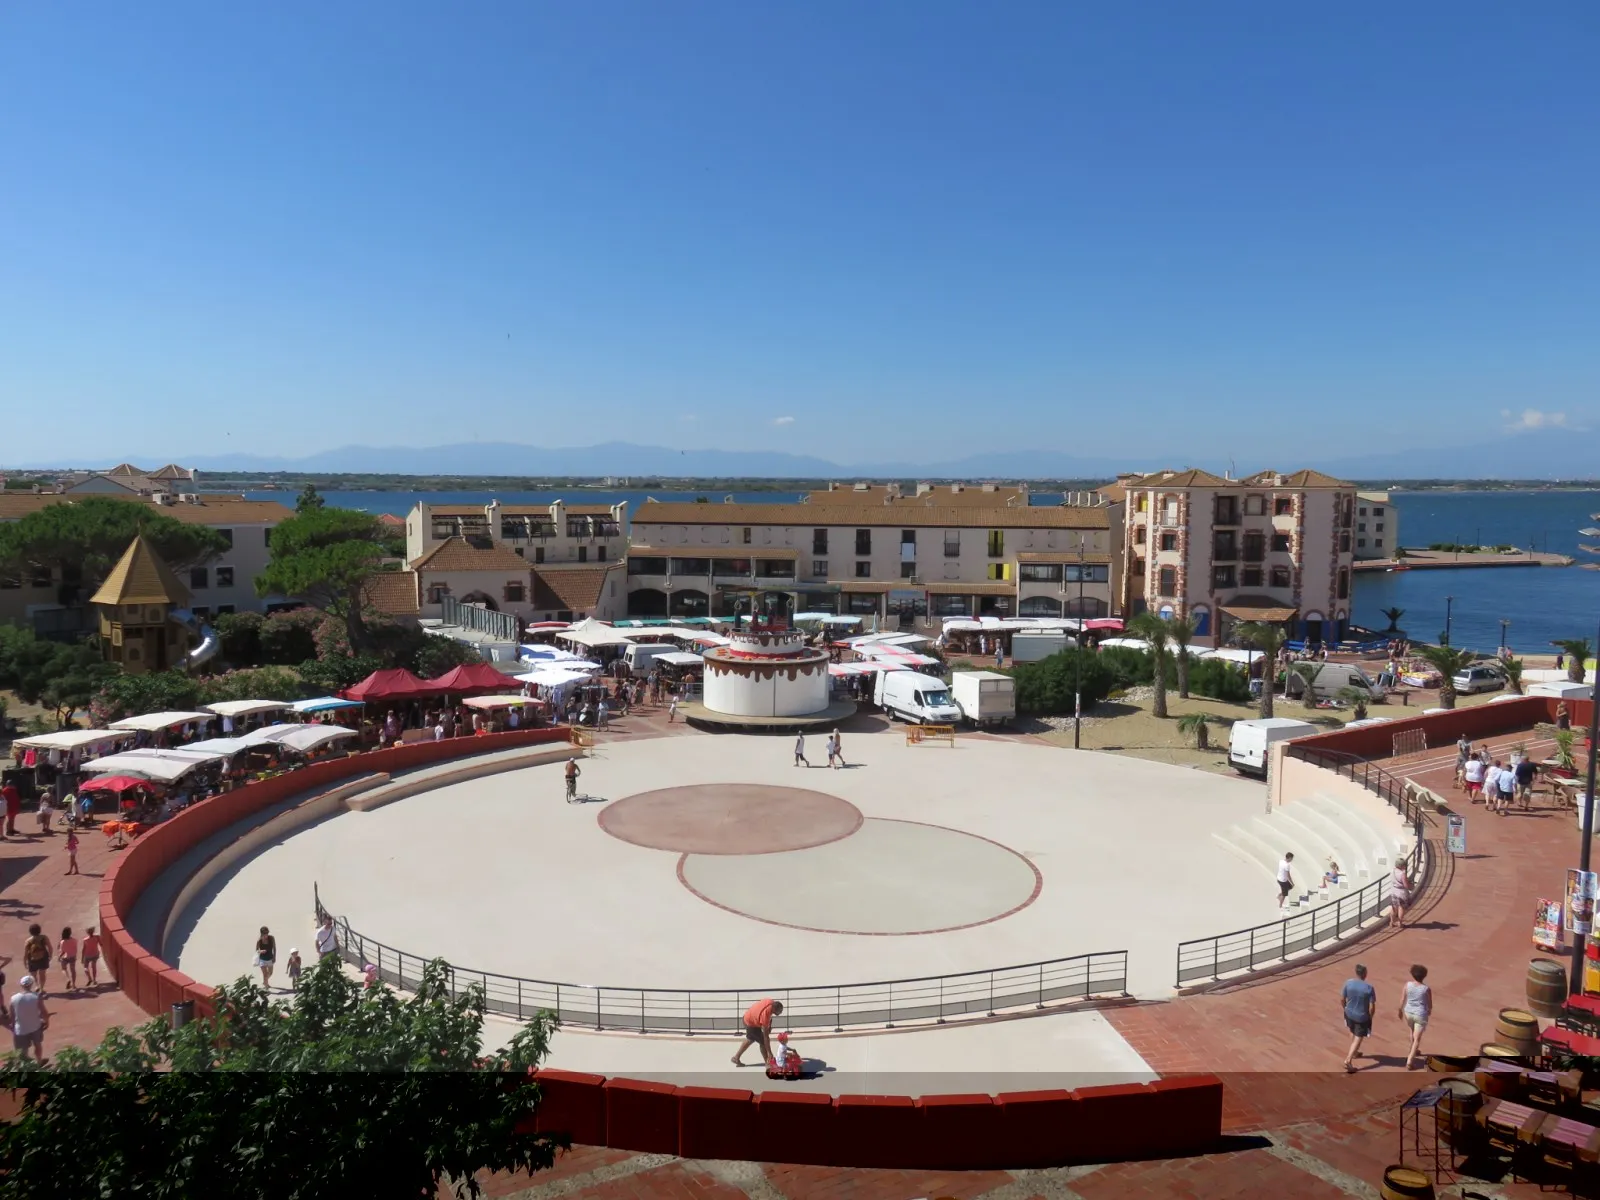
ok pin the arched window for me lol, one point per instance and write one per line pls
(1088, 606)
(1201, 616)
(689, 603)
(647, 602)
(1039, 606)
(481, 600)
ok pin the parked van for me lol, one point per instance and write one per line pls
(920, 699)
(1481, 677)
(640, 656)
(1249, 742)
(1330, 678)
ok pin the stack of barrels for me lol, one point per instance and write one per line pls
(1516, 1032)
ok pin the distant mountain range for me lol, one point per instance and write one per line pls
(1555, 454)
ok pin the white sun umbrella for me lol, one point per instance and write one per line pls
(161, 770)
(306, 738)
(151, 722)
(246, 708)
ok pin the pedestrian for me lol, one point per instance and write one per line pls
(604, 711)
(1415, 1009)
(91, 957)
(832, 753)
(1526, 773)
(36, 955)
(47, 810)
(72, 853)
(1463, 748)
(758, 1029)
(1360, 1000)
(266, 955)
(327, 940)
(295, 967)
(838, 749)
(1472, 774)
(1563, 717)
(1399, 895)
(13, 799)
(672, 709)
(999, 654)
(1508, 788)
(29, 1018)
(1491, 785)
(1285, 877)
(67, 952)
(572, 779)
(800, 750)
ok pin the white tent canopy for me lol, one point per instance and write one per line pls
(269, 734)
(73, 739)
(306, 738)
(324, 704)
(228, 746)
(151, 722)
(1242, 657)
(1126, 643)
(551, 677)
(507, 701)
(246, 708)
(593, 633)
(162, 770)
(680, 658)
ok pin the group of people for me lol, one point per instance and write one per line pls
(835, 745)
(1399, 886)
(266, 953)
(1493, 781)
(26, 1014)
(1359, 1000)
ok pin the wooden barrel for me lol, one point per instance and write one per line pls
(1451, 1064)
(1518, 1029)
(1547, 987)
(1505, 1054)
(1458, 1110)
(1405, 1183)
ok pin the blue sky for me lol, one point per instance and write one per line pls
(826, 228)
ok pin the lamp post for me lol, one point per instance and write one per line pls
(1448, 601)
(1586, 824)
(1503, 647)
(1077, 657)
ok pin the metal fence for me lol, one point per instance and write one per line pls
(479, 619)
(1266, 945)
(885, 1003)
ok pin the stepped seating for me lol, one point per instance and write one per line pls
(1386, 835)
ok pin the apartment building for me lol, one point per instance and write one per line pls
(1377, 529)
(912, 557)
(1271, 547)
(48, 602)
(557, 533)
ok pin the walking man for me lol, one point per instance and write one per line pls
(29, 1019)
(758, 1028)
(1463, 748)
(327, 940)
(572, 779)
(838, 750)
(1285, 877)
(800, 751)
(1360, 1000)
(672, 709)
(1526, 772)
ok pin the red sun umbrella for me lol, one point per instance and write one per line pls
(112, 783)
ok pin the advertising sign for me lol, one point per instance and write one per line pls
(1455, 837)
(1579, 901)
(1547, 924)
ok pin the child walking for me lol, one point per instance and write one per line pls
(67, 952)
(91, 957)
(294, 969)
(72, 853)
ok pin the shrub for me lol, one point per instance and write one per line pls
(1218, 679)
(258, 683)
(436, 655)
(240, 635)
(335, 674)
(130, 695)
(289, 637)
(1128, 667)
(1045, 688)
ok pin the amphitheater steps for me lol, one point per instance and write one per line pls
(1315, 830)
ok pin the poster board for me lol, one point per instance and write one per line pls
(1578, 902)
(1456, 834)
(1547, 924)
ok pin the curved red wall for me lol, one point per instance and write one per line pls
(1015, 1129)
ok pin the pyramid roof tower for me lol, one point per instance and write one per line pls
(141, 577)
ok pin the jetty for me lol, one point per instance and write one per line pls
(1435, 560)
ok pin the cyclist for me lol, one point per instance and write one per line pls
(572, 779)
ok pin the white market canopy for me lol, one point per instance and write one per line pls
(306, 738)
(841, 620)
(78, 739)
(246, 708)
(226, 746)
(593, 633)
(271, 734)
(680, 658)
(162, 770)
(324, 704)
(551, 677)
(151, 722)
(865, 668)
(708, 639)
(658, 631)
(1242, 657)
(1126, 643)
(508, 701)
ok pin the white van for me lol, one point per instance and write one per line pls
(920, 699)
(640, 656)
(1330, 677)
(1250, 742)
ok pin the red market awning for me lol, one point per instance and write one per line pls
(112, 783)
(1104, 623)
(393, 684)
(471, 679)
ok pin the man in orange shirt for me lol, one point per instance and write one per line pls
(758, 1029)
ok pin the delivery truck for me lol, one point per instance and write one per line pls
(920, 699)
(984, 697)
(1250, 742)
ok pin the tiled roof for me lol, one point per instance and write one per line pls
(458, 554)
(895, 516)
(519, 510)
(391, 520)
(972, 495)
(718, 552)
(569, 589)
(393, 592)
(1192, 477)
(212, 510)
(140, 577)
(1114, 492)
(1295, 479)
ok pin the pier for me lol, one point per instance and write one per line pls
(1433, 560)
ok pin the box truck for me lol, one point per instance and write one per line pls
(1250, 742)
(984, 697)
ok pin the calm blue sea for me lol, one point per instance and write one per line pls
(1540, 602)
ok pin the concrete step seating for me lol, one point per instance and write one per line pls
(1316, 829)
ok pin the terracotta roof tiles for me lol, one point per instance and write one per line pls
(458, 554)
(393, 592)
(896, 516)
(570, 589)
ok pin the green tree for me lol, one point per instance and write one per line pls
(434, 656)
(81, 541)
(325, 556)
(1198, 726)
(63, 676)
(1047, 687)
(1219, 679)
(348, 1092)
(157, 691)
(310, 499)
(1513, 669)
(1394, 615)
(252, 683)
(290, 637)
(1180, 630)
(1357, 699)
(1153, 629)
(1578, 652)
(1447, 660)
(240, 636)
(1269, 640)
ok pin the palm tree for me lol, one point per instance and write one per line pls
(1357, 699)
(1447, 660)
(1197, 725)
(1180, 630)
(1308, 672)
(1153, 629)
(1578, 651)
(1269, 640)
(1394, 615)
(1513, 669)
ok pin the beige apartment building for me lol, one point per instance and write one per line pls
(1271, 547)
(1377, 529)
(557, 533)
(914, 557)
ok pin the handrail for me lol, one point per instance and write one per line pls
(885, 1003)
(1246, 950)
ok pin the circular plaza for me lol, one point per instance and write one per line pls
(718, 863)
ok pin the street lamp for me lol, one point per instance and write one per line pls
(1448, 601)
(1503, 647)
(1077, 656)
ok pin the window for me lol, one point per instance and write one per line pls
(1092, 573)
(1282, 506)
(997, 543)
(775, 568)
(1227, 510)
(41, 577)
(863, 541)
(1224, 545)
(538, 554)
(227, 537)
(1167, 581)
(1040, 573)
(1362, 527)
(583, 554)
(952, 543)
(1344, 583)
(437, 592)
(732, 566)
(908, 537)
(746, 535)
(1255, 505)
(1138, 535)
(691, 566)
(203, 612)
(863, 569)
(599, 554)
(952, 606)
(1344, 540)
(577, 527)
(1222, 577)
(646, 566)
(224, 577)
(199, 577)
(819, 568)
(1377, 541)
(1361, 541)
(1144, 503)
(1255, 546)
(513, 593)
(1378, 527)
(266, 537)
(1361, 512)
(1280, 543)
(858, 602)
(1250, 577)
(996, 572)
(520, 552)
(1169, 541)
(1280, 577)
(1377, 512)
(908, 570)
(819, 541)
(1169, 510)
(224, 609)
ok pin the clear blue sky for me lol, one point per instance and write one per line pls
(953, 227)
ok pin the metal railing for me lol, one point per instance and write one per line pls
(504, 626)
(884, 1003)
(1252, 949)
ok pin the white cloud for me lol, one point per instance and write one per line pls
(1532, 418)
(783, 420)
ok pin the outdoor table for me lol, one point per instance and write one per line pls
(1588, 1005)
(1553, 1087)
(1510, 1126)
(1568, 1143)
(1499, 1080)
(1570, 1041)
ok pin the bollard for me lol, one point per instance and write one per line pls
(182, 1013)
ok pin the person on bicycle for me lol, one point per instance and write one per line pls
(572, 779)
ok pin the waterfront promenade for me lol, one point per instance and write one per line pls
(1438, 560)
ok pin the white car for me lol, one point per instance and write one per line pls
(1481, 678)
